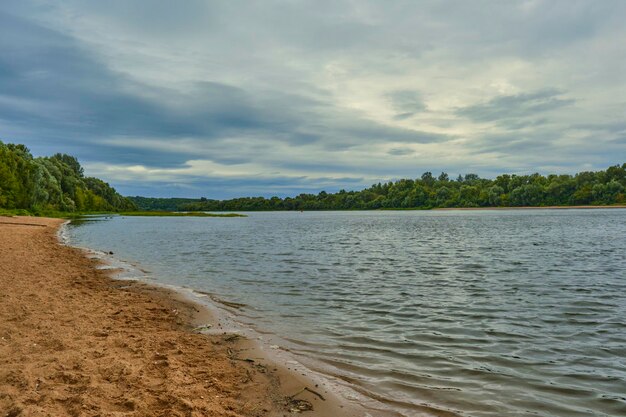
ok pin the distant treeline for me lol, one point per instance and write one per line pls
(163, 204)
(585, 188)
(54, 183)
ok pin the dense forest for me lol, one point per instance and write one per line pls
(54, 183)
(57, 183)
(585, 188)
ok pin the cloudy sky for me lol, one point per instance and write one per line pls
(229, 98)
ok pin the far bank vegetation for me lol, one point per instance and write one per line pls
(429, 191)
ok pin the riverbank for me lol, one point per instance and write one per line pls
(533, 208)
(74, 341)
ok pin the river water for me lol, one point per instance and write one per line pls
(480, 313)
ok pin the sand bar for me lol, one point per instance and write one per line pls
(75, 342)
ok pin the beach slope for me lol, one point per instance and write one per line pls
(75, 342)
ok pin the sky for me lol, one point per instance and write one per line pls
(244, 98)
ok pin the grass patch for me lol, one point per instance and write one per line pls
(49, 213)
(38, 213)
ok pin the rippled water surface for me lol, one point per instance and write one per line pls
(483, 313)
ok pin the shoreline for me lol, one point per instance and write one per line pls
(530, 208)
(79, 342)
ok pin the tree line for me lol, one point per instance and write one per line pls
(428, 191)
(54, 183)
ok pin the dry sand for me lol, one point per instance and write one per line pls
(74, 342)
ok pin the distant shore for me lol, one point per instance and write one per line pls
(534, 208)
(177, 214)
(76, 342)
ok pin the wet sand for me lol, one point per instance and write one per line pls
(75, 342)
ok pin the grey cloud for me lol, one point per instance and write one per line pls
(406, 103)
(514, 144)
(98, 104)
(516, 124)
(523, 28)
(614, 127)
(539, 151)
(620, 140)
(400, 151)
(58, 72)
(344, 25)
(403, 116)
(516, 106)
(158, 83)
(231, 188)
(355, 132)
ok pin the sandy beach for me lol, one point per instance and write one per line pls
(75, 342)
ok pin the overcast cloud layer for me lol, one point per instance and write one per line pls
(221, 99)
